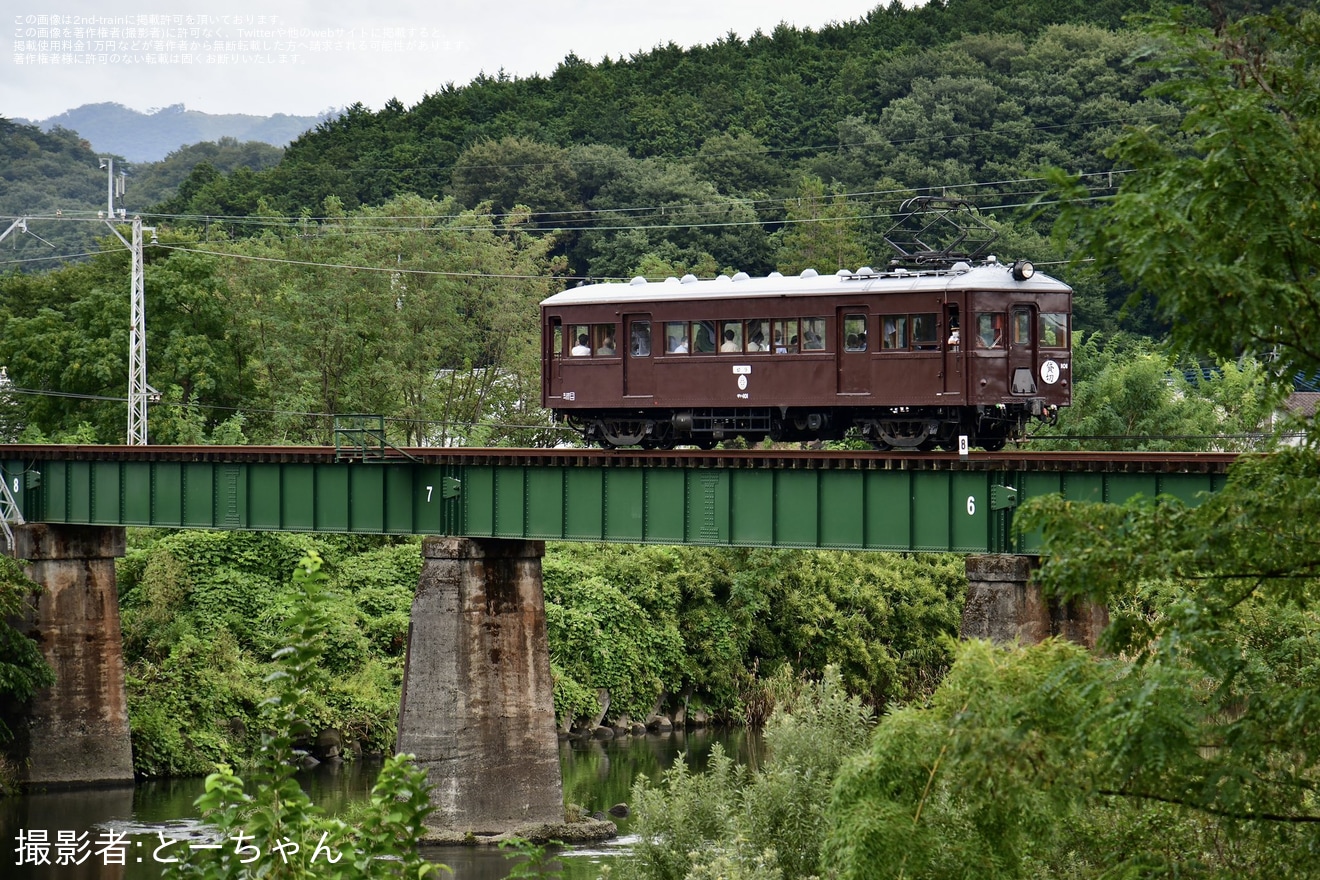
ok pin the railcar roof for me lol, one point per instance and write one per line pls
(986, 276)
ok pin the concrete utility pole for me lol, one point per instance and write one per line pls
(139, 392)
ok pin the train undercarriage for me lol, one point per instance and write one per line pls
(915, 428)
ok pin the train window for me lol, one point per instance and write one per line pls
(813, 334)
(1021, 326)
(703, 337)
(894, 335)
(604, 336)
(990, 330)
(558, 338)
(731, 337)
(786, 337)
(639, 341)
(1053, 330)
(925, 332)
(676, 337)
(581, 340)
(854, 333)
(758, 335)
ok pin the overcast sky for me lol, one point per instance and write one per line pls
(305, 56)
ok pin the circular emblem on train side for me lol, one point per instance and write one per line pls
(742, 383)
(1049, 372)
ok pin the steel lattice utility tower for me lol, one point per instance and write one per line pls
(138, 389)
(139, 392)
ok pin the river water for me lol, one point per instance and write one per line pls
(155, 817)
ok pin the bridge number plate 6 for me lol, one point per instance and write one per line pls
(971, 505)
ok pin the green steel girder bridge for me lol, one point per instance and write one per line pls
(764, 498)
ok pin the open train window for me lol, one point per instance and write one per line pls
(786, 336)
(1053, 330)
(893, 332)
(581, 339)
(703, 337)
(604, 340)
(676, 337)
(925, 333)
(758, 335)
(557, 338)
(813, 334)
(731, 337)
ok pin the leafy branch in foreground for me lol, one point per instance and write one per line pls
(277, 832)
(23, 670)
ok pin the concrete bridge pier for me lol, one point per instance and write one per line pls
(477, 708)
(74, 733)
(1004, 605)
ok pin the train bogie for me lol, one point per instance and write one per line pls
(905, 359)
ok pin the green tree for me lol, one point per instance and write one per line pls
(279, 811)
(517, 171)
(1189, 747)
(1216, 221)
(766, 823)
(1128, 394)
(23, 669)
(823, 232)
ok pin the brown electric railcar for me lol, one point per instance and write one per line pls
(910, 359)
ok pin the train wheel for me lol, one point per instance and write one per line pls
(661, 436)
(993, 443)
(622, 433)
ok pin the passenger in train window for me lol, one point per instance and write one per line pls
(583, 347)
(895, 334)
(676, 335)
(785, 330)
(606, 348)
(730, 343)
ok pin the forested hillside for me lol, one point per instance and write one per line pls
(59, 181)
(390, 261)
(964, 98)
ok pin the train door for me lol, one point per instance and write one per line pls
(953, 349)
(1022, 349)
(638, 379)
(853, 344)
(552, 351)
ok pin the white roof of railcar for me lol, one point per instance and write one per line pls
(985, 276)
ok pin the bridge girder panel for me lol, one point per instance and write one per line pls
(941, 509)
